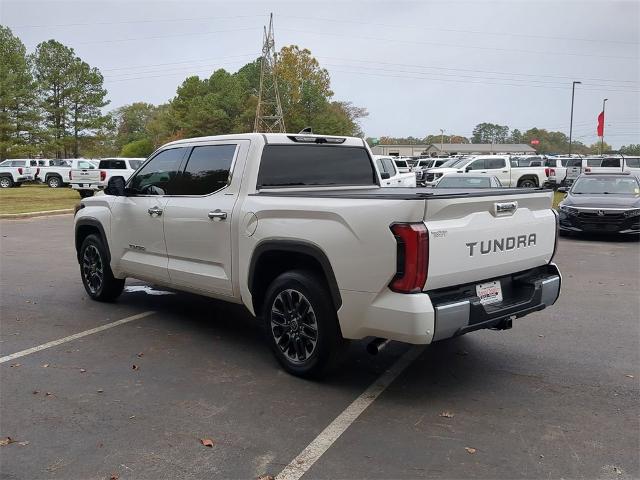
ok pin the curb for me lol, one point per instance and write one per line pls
(45, 213)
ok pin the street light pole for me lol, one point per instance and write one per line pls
(573, 91)
(603, 120)
(441, 140)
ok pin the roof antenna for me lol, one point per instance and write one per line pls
(306, 130)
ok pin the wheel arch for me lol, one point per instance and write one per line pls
(270, 258)
(85, 227)
(534, 178)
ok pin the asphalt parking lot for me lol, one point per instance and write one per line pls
(557, 396)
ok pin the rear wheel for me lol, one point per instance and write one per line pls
(54, 182)
(97, 277)
(6, 182)
(527, 183)
(301, 324)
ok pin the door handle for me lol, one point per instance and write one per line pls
(155, 211)
(217, 215)
(505, 171)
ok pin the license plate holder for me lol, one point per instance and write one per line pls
(489, 292)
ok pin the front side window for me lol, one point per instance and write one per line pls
(207, 170)
(389, 167)
(155, 177)
(18, 163)
(315, 165)
(477, 165)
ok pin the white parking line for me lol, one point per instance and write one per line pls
(310, 455)
(60, 341)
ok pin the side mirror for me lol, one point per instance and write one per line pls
(385, 176)
(563, 189)
(115, 187)
(468, 169)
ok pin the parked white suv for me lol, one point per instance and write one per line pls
(297, 229)
(14, 172)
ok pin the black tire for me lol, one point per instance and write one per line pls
(6, 182)
(85, 193)
(527, 183)
(96, 274)
(54, 181)
(311, 360)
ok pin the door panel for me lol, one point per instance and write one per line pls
(138, 237)
(198, 221)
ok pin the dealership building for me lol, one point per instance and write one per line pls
(445, 149)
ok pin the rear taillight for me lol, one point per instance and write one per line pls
(103, 175)
(552, 172)
(37, 171)
(587, 169)
(19, 170)
(546, 172)
(412, 257)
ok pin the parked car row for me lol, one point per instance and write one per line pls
(84, 175)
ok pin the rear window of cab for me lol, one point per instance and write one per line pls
(314, 165)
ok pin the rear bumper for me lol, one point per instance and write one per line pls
(524, 293)
(427, 317)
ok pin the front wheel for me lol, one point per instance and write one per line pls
(301, 324)
(97, 277)
(85, 193)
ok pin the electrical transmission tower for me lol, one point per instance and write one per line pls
(269, 116)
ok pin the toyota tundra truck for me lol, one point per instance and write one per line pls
(298, 230)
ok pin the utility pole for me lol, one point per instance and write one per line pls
(269, 117)
(573, 91)
(603, 120)
(441, 140)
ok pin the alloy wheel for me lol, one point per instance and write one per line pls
(92, 268)
(4, 182)
(294, 326)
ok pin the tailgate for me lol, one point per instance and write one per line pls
(472, 239)
(85, 175)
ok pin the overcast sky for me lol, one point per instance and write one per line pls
(416, 66)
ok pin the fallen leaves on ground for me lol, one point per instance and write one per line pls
(207, 442)
(134, 367)
(82, 370)
(447, 415)
(15, 365)
(114, 476)
(48, 394)
(629, 375)
(100, 390)
(265, 477)
(45, 365)
(140, 355)
(6, 441)
(470, 450)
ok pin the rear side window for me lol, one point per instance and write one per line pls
(496, 163)
(303, 165)
(611, 162)
(207, 170)
(632, 162)
(18, 163)
(113, 164)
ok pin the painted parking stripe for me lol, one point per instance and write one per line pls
(60, 341)
(310, 455)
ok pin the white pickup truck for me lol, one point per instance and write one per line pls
(297, 229)
(510, 172)
(89, 180)
(14, 172)
(389, 174)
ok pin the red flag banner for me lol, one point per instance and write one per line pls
(601, 124)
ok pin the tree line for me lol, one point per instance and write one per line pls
(548, 141)
(51, 104)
